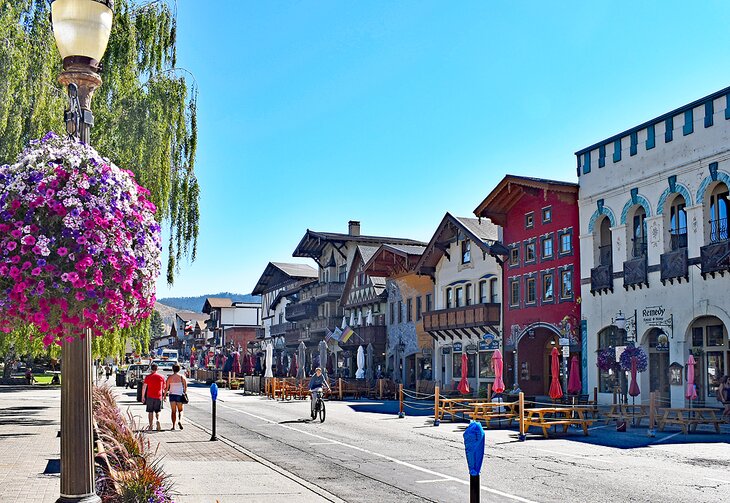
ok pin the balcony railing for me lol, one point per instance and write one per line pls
(260, 333)
(678, 238)
(282, 328)
(605, 255)
(635, 272)
(300, 311)
(714, 258)
(674, 265)
(718, 230)
(638, 250)
(601, 279)
(320, 324)
(374, 334)
(477, 315)
(322, 292)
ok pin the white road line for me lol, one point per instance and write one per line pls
(667, 438)
(598, 427)
(599, 460)
(322, 443)
(388, 458)
(718, 480)
(431, 481)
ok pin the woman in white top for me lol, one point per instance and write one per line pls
(175, 387)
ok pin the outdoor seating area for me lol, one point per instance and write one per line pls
(547, 417)
(689, 418)
(627, 412)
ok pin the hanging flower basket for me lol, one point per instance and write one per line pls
(79, 246)
(606, 359)
(642, 360)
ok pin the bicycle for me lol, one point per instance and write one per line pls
(318, 407)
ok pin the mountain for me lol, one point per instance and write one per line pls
(195, 304)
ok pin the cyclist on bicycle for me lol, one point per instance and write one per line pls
(315, 385)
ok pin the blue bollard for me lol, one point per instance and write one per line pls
(214, 397)
(474, 446)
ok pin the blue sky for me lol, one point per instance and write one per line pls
(313, 113)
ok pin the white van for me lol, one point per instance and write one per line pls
(170, 355)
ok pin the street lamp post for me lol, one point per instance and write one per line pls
(81, 29)
(402, 360)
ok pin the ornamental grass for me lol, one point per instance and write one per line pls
(128, 470)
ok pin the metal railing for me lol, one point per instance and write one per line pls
(605, 255)
(639, 248)
(678, 238)
(718, 230)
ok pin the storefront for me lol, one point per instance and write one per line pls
(479, 363)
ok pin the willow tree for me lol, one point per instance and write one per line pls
(145, 111)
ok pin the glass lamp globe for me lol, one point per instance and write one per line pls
(82, 27)
(620, 321)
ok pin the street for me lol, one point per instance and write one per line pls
(361, 456)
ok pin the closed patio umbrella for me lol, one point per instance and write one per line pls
(574, 384)
(192, 359)
(464, 383)
(323, 357)
(352, 318)
(359, 318)
(293, 367)
(369, 363)
(369, 318)
(691, 392)
(497, 365)
(344, 322)
(302, 350)
(360, 373)
(556, 391)
(269, 360)
(236, 363)
(634, 387)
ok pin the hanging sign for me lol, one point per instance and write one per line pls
(662, 342)
(471, 349)
(653, 315)
(446, 350)
(457, 347)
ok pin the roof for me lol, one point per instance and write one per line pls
(188, 316)
(482, 233)
(216, 303)
(314, 242)
(509, 191)
(277, 274)
(362, 255)
(389, 260)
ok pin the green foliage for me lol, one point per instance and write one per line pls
(145, 112)
(156, 325)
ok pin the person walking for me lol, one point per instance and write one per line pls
(176, 387)
(152, 394)
(723, 396)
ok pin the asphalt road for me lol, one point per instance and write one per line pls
(369, 457)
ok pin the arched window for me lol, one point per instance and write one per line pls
(605, 253)
(449, 298)
(678, 223)
(719, 213)
(611, 379)
(638, 233)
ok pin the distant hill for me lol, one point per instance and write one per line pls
(195, 304)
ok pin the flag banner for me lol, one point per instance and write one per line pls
(346, 334)
(327, 335)
(337, 334)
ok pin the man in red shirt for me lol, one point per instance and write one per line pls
(152, 393)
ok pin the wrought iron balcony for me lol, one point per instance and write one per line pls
(605, 255)
(602, 279)
(300, 311)
(260, 333)
(635, 273)
(477, 316)
(638, 249)
(678, 238)
(718, 230)
(674, 266)
(715, 258)
(320, 324)
(322, 292)
(282, 328)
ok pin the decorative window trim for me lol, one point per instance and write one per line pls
(549, 210)
(546, 237)
(709, 113)
(513, 281)
(543, 275)
(561, 270)
(529, 220)
(528, 278)
(528, 242)
(601, 156)
(514, 248)
(669, 129)
(562, 233)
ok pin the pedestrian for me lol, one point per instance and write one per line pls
(152, 394)
(29, 379)
(723, 395)
(176, 389)
(108, 371)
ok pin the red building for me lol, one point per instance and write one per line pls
(541, 279)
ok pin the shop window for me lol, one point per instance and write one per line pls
(466, 251)
(698, 337)
(714, 335)
(485, 365)
(610, 380)
(471, 370)
(530, 295)
(715, 371)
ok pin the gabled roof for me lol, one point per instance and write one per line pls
(484, 234)
(362, 255)
(216, 303)
(314, 242)
(188, 316)
(509, 191)
(280, 273)
(389, 260)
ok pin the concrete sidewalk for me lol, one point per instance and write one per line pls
(202, 471)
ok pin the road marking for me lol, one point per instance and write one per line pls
(600, 460)
(718, 480)
(322, 443)
(598, 427)
(667, 438)
(431, 481)
(383, 456)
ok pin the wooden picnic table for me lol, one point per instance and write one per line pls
(625, 412)
(455, 406)
(689, 418)
(486, 411)
(546, 417)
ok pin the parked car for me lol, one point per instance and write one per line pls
(136, 373)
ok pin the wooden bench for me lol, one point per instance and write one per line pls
(626, 412)
(486, 411)
(689, 418)
(455, 406)
(547, 417)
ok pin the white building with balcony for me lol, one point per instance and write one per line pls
(654, 247)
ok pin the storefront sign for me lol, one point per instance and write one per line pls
(471, 349)
(457, 347)
(427, 351)
(653, 315)
(446, 350)
(488, 346)
(564, 341)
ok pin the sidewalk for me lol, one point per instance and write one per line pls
(202, 471)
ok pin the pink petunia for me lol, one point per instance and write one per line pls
(28, 240)
(62, 251)
(36, 271)
(12, 245)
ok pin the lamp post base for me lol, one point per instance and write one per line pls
(86, 498)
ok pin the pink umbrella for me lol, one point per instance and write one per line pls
(634, 387)
(293, 367)
(691, 388)
(497, 364)
(192, 359)
(206, 360)
(464, 383)
(236, 363)
(556, 391)
(574, 384)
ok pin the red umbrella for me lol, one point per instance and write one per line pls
(497, 365)
(574, 384)
(556, 391)
(691, 388)
(192, 359)
(293, 367)
(236, 363)
(206, 361)
(634, 387)
(464, 383)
